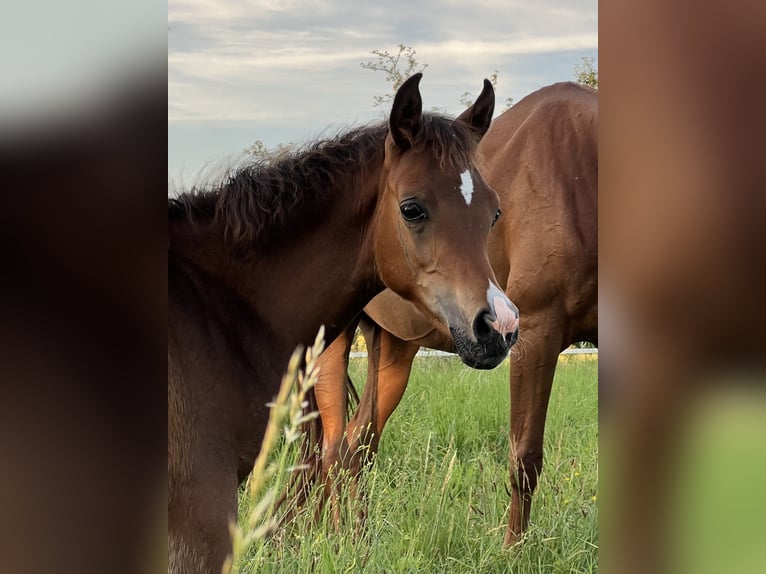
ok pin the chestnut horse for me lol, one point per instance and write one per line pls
(541, 158)
(259, 262)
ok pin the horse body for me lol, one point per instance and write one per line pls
(225, 337)
(258, 264)
(541, 157)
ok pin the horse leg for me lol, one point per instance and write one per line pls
(396, 357)
(332, 402)
(199, 513)
(533, 364)
(389, 366)
(350, 454)
(387, 376)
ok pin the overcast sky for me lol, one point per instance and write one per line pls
(288, 70)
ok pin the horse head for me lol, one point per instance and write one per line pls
(432, 225)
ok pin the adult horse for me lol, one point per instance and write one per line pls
(258, 263)
(541, 158)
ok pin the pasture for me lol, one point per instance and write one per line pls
(438, 492)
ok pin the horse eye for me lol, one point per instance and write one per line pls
(411, 211)
(497, 216)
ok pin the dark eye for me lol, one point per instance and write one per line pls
(497, 216)
(411, 211)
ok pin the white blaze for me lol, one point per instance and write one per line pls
(466, 186)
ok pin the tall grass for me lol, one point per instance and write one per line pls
(438, 492)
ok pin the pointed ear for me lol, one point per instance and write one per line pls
(404, 122)
(479, 115)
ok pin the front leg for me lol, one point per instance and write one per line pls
(332, 402)
(533, 364)
(388, 372)
(201, 505)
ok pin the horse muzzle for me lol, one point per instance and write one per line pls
(494, 333)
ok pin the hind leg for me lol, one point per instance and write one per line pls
(533, 364)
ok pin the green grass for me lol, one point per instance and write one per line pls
(438, 497)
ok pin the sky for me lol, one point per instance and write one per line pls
(63, 60)
(284, 71)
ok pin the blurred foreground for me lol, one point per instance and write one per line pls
(683, 274)
(682, 259)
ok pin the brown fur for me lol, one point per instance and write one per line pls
(541, 157)
(257, 264)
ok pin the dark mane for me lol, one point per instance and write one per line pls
(263, 193)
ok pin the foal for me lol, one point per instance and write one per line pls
(257, 264)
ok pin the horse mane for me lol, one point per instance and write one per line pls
(261, 194)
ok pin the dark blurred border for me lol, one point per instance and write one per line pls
(683, 264)
(682, 279)
(82, 328)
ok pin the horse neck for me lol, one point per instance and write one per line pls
(319, 272)
(326, 273)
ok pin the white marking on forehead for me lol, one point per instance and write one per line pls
(466, 186)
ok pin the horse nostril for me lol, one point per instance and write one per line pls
(482, 325)
(486, 327)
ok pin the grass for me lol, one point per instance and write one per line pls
(438, 497)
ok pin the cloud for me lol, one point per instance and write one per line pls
(294, 65)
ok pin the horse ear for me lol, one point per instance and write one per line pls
(404, 122)
(479, 115)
